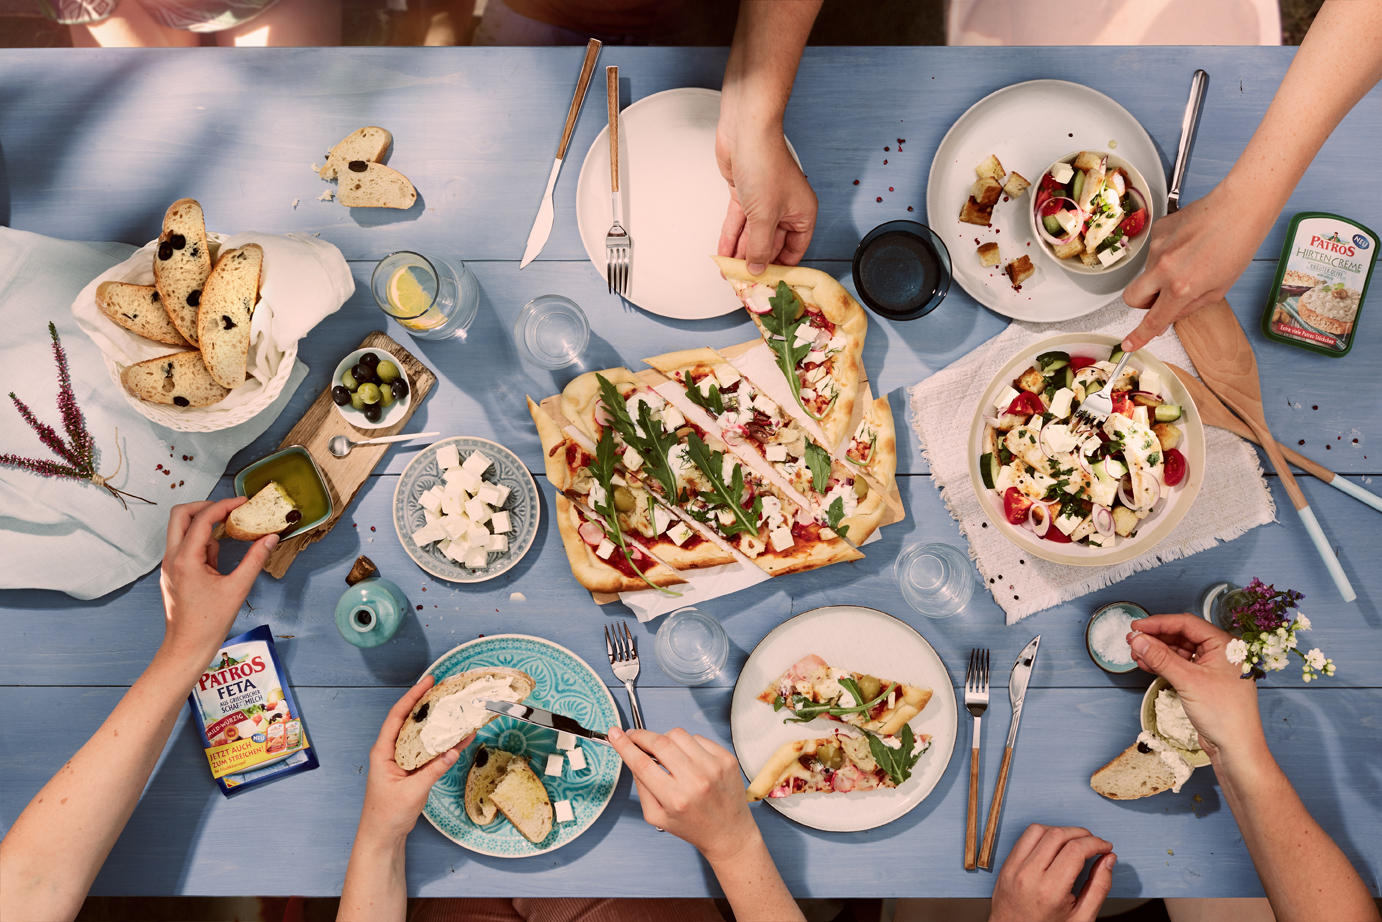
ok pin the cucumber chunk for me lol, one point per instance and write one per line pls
(1078, 186)
(1053, 226)
(1167, 413)
(1052, 361)
(988, 469)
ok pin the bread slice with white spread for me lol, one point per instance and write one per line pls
(139, 309)
(269, 512)
(523, 800)
(182, 263)
(446, 714)
(1132, 775)
(369, 144)
(486, 772)
(179, 379)
(362, 184)
(227, 306)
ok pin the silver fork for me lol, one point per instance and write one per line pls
(976, 702)
(1096, 407)
(623, 659)
(617, 240)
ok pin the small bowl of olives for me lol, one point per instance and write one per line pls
(371, 389)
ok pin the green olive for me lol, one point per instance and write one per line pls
(357, 401)
(871, 686)
(386, 397)
(861, 487)
(369, 393)
(800, 309)
(349, 381)
(387, 371)
(830, 756)
(684, 432)
(623, 499)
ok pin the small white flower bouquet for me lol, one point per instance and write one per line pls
(1267, 634)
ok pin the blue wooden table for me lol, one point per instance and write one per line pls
(95, 144)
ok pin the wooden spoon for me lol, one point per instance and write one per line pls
(1216, 343)
(1214, 413)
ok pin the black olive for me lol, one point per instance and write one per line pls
(374, 412)
(229, 324)
(1143, 747)
(293, 517)
(369, 360)
(358, 166)
(481, 757)
(154, 296)
(421, 713)
(340, 395)
(165, 250)
(400, 389)
(178, 241)
(363, 373)
(194, 297)
(182, 401)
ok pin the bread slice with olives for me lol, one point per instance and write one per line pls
(368, 144)
(269, 512)
(486, 772)
(372, 185)
(523, 800)
(410, 750)
(227, 306)
(181, 264)
(1133, 774)
(139, 309)
(179, 379)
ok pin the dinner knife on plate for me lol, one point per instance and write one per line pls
(543, 718)
(542, 225)
(1017, 693)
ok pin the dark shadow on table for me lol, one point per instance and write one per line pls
(379, 217)
(4, 190)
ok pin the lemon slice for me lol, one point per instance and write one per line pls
(406, 295)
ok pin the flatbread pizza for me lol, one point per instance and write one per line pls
(839, 764)
(873, 447)
(813, 688)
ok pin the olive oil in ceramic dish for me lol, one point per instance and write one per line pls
(296, 473)
(1321, 282)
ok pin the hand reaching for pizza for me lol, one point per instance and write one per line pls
(1035, 881)
(772, 208)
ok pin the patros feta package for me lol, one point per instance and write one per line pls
(250, 725)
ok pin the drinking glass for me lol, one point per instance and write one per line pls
(428, 296)
(902, 270)
(551, 331)
(936, 579)
(691, 647)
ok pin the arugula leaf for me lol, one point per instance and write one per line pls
(713, 401)
(787, 315)
(834, 514)
(729, 495)
(818, 460)
(898, 762)
(602, 469)
(779, 703)
(648, 436)
(807, 710)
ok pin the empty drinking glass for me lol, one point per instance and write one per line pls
(551, 331)
(936, 579)
(691, 647)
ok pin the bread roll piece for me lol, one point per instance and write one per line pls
(269, 512)
(179, 379)
(409, 749)
(1132, 775)
(182, 263)
(373, 185)
(485, 774)
(369, 144)
(139, 309)
(523, 800)
(227, 306)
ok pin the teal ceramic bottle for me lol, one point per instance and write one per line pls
(370, 612)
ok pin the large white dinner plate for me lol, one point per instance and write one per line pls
(1028, 126)
(858, 640)
(674, 203)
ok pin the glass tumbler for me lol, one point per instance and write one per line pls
(428, 296)
(691, 647)
(936, 579)
(551, 331)
(902, 270)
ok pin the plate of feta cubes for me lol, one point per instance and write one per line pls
(466, 509)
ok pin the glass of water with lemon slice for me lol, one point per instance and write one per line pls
(428, 296)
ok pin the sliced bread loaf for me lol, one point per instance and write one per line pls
(180, 379)
(139, 309)
(368, 144)
(410, 751)
(182, 263)
(269, 512)
(372, 185)
(523, 800)
(1132, 775)
(223, 317)
(485, 774)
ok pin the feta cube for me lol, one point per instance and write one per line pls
(428, 534)
(1060, 403)
(476, 558)
(598, 496)
(1068, 523)
(1149, 381)
(488, 494)
(1112, 255)
(1006, 478)
(726, 518)
(498, 543)
(781, 538)
(605, 549)
(499, 521)
(477, 463)
(763, 405)
(448, 457)
(554, 764)
(1139, 415)
(837, 342)
(429, 517)
(576, 758)
(815, 356)
(566, 740)
(632, 459)
(563, 811)
(477, 535)
(456, 550)
(704, 385)
(1005, 398)
(672, 418)
(727, 469)
(1098, 540)
(1062, 173)
(776, 452)
(808, 393)
(679, 533)
(503, 492)
(661, 519)
(431, 501)
(1068, 220)
(806, 339)
(726, 374)
(455, 525)
(477, 510)
(452, 505)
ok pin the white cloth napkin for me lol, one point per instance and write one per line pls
(1233, 497)
(303, 280)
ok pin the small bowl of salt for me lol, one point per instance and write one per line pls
(1106, 636)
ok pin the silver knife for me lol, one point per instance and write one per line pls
(1017, 693)
(543, 718)
(542, 225)
(1198, 84)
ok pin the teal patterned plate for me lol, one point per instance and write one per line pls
(565, 685)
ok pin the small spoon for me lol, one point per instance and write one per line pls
(341, 446)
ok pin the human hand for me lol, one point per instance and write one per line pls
(772, 208)
(1034, 884)
(1189, 652)
(199, 602)
(696, 794)
(394, 797)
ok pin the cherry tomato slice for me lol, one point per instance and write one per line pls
(1055, 534)
(1174, 471)
(1122, 404)
(1081, 361)
(1132, 225)
(1026, 404)
(1016, 506)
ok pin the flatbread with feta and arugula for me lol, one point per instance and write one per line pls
(812, 688)
(873, 447)
(816, 331)
(839, 764)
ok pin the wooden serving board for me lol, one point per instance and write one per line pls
(345, 476)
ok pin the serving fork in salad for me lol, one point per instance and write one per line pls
(1098, 406)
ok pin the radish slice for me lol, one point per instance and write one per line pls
(822, 338)
(602, 416)
(1103, 520)
(756, 305)
(592, 534)
(1039, 519)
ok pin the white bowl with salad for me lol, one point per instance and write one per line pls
(1081, 494)
(1090, 212)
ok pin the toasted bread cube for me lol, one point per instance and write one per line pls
(974, 213)
(1088, 160)
(1167, 434)
(1020, 269)
(1124, 521)
(988, 254)
(1016, 185)
(1032, 380)
(1089, 259)
(986, 192)
(1071, 248)
(990, 169)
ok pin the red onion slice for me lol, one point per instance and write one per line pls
(1041, 226)
(1103, 520)
(1142, 202)
(1039, 519)
(991, 421)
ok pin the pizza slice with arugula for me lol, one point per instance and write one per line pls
(873, 447)
(839, 764)
(812, 688)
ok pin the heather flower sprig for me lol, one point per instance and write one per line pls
(1268, 631)
(79, 450)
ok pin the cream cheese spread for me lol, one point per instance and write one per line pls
(1172, 723)
(1180, 768)
(451, 718)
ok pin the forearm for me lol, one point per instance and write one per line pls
(129, 27)
(376, 888)
(752, 884)
(768, 41)
(56, 846)
(1306, 876)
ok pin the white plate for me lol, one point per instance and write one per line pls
(859, 640)
(1028, 126)
(674, 203)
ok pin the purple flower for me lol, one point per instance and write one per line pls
(1264, 609)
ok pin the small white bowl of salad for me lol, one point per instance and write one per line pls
(1078, 493)
(1090, 212)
